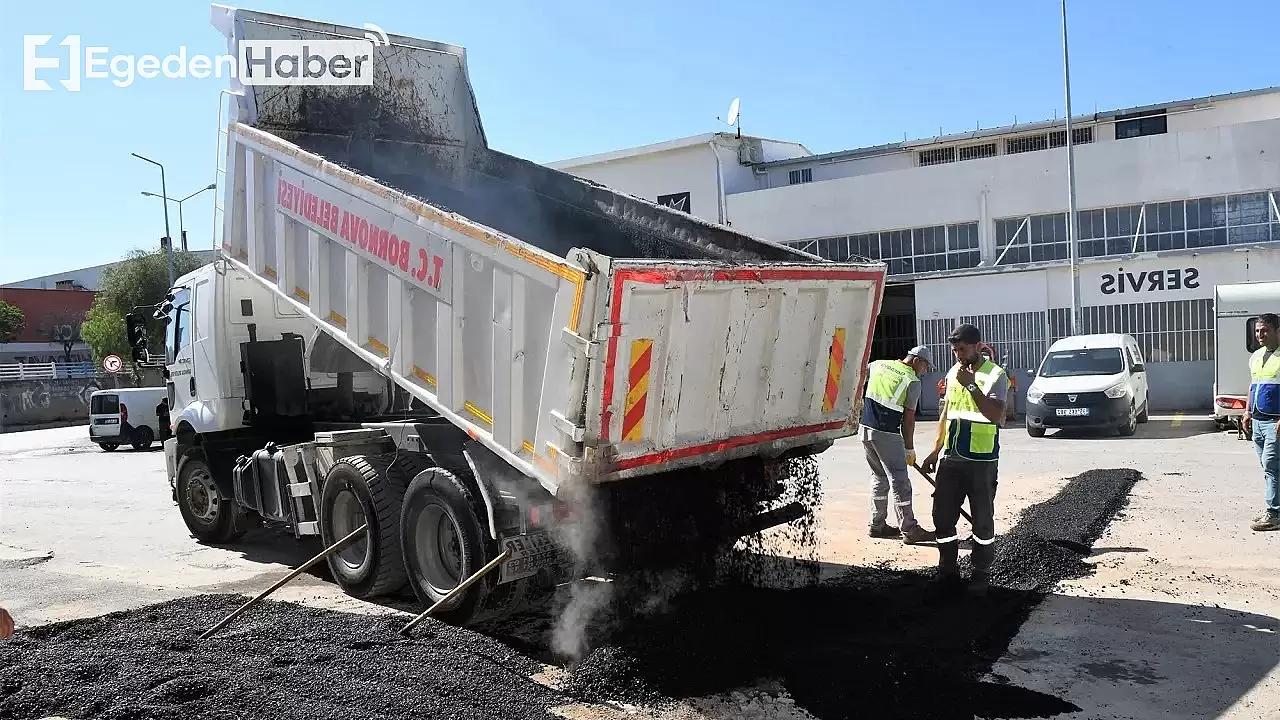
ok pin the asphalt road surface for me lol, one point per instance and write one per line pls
(1179, 619)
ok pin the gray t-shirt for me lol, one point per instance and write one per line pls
(913, 395)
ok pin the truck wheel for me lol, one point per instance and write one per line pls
(444, 543)
(360, 489)
(142, 438)
(1130, 424)
(109, 447)
(210, 517)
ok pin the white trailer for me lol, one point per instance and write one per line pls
(1236, 307)
(468, 351)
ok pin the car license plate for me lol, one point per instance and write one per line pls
(529, 554)
(1069, 412)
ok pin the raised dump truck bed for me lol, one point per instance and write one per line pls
(577, 358)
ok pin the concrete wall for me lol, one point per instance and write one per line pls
(689, 169)
(35, 403)
(1173, 166)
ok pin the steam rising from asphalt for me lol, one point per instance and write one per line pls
(580, 536)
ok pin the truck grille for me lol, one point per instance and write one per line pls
(1081, 399)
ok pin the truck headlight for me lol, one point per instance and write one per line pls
(1116, 392)
(1034, 394)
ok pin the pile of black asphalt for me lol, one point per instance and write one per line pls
(277, 661)
(870, 642)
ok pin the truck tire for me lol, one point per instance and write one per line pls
(444, 542)
(360, 489)
(209, 516)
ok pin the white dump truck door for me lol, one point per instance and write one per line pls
(706, 361)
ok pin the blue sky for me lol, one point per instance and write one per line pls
(562, 78)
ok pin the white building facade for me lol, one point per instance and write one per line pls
(1172, 200)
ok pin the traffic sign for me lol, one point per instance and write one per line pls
(111, 363)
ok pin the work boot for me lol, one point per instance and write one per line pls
(884, 531)
(948, 581)
(979, 583)
(1269, 521)
(915, 535)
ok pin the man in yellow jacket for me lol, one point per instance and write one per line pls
(888, 437)
(969, 440)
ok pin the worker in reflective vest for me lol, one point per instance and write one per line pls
(969, 441)
(1262, 411)
(888, 437)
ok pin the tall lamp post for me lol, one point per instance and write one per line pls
(182, 228)
(168, 248)
(1073, 232)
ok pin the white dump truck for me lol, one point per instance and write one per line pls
(475, 354)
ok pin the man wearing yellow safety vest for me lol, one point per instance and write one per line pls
(1262, 410)
(888, 437)
(969, 439)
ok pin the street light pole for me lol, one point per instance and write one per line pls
(182, 227)
(168, 248)
(1073, 234)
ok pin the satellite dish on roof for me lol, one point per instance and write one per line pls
(733, 111)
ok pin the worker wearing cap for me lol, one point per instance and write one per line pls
(969, 440)
(888, 437)
(1262, 414)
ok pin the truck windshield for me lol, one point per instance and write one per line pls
(1090, 361)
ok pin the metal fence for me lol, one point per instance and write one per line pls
(54, 371)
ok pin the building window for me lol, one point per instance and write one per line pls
(1180, 224)
(803, 175)
(1044, 141)
(1140, 124)
(937, 156)
(1018, 338)
(914, 250)
(977, 152)
(1035, 238)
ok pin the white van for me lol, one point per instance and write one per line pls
(128, 416)
(1089, 381)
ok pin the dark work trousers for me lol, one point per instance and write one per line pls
(958, 479)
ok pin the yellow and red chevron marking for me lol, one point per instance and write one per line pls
(835, 366)
(637, 390)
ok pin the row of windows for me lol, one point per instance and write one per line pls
(1013, 145)
(926, 249)
(1177, 225)
(1018, 338)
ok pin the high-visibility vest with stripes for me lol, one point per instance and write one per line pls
(970, 435)
(1264, 392)
(888, 383)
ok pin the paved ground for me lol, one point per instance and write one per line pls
(1179, 621)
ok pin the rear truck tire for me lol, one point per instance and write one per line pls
(1130, 424)
(360, 489)
(1034, 431)
(142, 438)
(444, 542)
(1144, 416)
(209, 516)
(109, 447)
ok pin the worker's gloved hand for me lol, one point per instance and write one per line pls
(911, 456)
(930, 463)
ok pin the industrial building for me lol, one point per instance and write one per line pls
(1172, 199)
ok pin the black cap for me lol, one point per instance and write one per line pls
(967, 334)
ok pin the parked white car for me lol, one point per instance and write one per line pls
(127, 416)
(1089, 381)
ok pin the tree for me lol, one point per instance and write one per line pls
(12, 322)
(63, 327)
(141, 279)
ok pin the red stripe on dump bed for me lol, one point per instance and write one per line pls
(658, 276)
(676, 453)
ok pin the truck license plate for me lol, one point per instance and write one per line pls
(529, 553)
(1072, 411)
